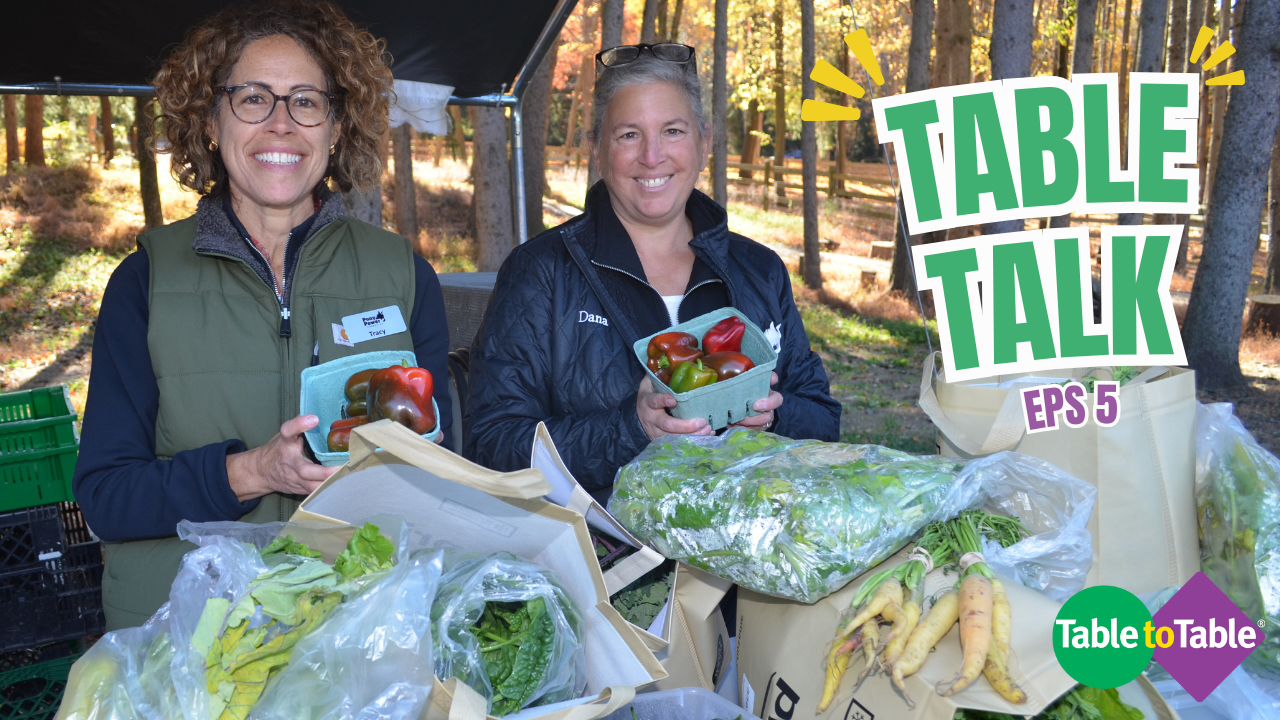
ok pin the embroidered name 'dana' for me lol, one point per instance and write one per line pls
(584, 316)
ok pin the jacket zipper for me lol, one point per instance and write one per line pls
(286, 330)
(633, 277)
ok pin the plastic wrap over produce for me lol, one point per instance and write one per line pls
(799, 519)
(510, 631)
(242, 605)
(1054, 507)
(1238, 505)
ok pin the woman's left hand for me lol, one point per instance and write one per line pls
(765, 407)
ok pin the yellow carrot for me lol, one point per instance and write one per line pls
(996, 668)
(837, 663)
(935, 625)
(975, 632)
(870, 638)
(890, 591)
(897, 639)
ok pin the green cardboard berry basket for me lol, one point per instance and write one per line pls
(323, 395)
(727, 401)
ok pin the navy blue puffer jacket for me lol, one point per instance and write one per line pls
(556, 342)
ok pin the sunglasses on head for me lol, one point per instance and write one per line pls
(623, 54)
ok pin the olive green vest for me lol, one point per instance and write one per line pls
(224, 372)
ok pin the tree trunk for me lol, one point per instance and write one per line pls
(1081, 62)
(1061, 67)
(674, 34)
(809, 153)
(952, 63)
(900, 273)
(536, 114)
(660, 34)
(610, 23)
(148, 179)
(1262, 316)
(751, 141)
(491, 200)
(842, 126)
(1211, 331)
(1272, 281)
(648, 22)
(406, 200)
(1178, 63)
(13, 155)
(1152, 21)
(779, 97)
(108, 132)
(459, 137)
(719, 102)
(1220, 101)
(1086, 31)
(1124, 84)
(34, 123)
(1011, 35)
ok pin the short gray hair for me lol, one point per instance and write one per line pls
(647, 69)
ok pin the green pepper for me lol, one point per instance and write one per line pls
(691, 375)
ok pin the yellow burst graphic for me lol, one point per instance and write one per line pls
(1224, 51)
(826, 74)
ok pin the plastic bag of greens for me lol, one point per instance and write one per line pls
(370, 658)
(509, 630)
(239, 603)
(1238, 506)
(1054, 507)
(798, 519)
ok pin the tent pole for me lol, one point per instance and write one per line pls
(517, 159)
(550, 32)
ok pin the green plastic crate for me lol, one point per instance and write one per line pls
(34, 692)
(728, 401)
(38, 447)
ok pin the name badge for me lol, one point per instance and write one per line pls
(374, 324)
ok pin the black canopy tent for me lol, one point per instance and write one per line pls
(487, 50)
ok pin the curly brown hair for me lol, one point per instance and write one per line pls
(355, 65)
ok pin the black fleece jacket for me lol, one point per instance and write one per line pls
(556, 341)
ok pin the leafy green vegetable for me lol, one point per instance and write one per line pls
(1238, 503)
(641, 601)
(1082, 703)
(288, 545)
(367, 552)
(794, 519)
(516, 650)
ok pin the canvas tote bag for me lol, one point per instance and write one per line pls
(1143, 526)
(447, 501)
(692, 639)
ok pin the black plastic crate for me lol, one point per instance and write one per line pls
(29, 537)
(56, 600)
(23, 657)
(34, 692)
(74, 529)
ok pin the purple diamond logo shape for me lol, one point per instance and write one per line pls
(1206, 636)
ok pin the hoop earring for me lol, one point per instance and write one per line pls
(213, 145)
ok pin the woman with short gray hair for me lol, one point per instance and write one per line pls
(649, 252)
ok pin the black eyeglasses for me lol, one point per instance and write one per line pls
(623, 54)
(253, 104)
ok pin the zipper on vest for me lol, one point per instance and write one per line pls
(286, 330)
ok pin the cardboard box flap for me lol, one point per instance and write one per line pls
(448, 506)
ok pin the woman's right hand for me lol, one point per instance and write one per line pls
(652, 406)
(278, 466)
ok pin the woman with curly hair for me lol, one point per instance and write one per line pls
(205, 329)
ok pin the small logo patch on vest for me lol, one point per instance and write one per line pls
(584, 316)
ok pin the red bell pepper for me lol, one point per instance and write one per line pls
(403, 394)
(727, 364)
(668, 350)
(724, 335)
(340, 432)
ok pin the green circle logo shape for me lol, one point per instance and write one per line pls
(1100, 637)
